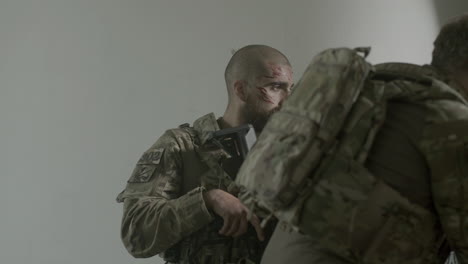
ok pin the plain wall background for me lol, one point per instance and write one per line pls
(87, 85)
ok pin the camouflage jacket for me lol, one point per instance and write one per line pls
(414, 183)
(420, 160)
(164, 210)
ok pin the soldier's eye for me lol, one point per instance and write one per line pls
(275, 88)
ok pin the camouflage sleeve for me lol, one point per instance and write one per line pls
(155, 216)
(446, 148)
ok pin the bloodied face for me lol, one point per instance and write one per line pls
(265, 93)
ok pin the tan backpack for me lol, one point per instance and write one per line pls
(296, 139)
(307, 166)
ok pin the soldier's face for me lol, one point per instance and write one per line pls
(266, 93)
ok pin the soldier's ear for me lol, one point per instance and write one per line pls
(240, 89)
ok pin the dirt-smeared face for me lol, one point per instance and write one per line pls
(266, 92)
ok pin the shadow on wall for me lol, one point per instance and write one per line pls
(447, 9)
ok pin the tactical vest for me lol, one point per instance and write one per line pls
(313, 178)
(202, 168)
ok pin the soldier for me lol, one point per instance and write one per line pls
(179, 201)
(411, 194)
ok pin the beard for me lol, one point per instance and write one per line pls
(256, 115)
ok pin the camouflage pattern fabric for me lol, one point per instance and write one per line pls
(304, 129)
(164, 211)
(364, 219)
(353, 215)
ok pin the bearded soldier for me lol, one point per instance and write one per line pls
(179, 201)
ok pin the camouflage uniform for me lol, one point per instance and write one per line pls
(164, 210)
(416, 198)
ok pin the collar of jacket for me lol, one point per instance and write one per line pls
(211, 156)
(459, 89)
(205, 126)
(433, 72)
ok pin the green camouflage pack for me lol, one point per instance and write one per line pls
(304, 129)
(307, 167)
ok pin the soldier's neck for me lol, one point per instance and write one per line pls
(231, 119)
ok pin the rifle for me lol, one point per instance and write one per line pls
(236, 142)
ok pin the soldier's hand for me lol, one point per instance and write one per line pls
(233, 212)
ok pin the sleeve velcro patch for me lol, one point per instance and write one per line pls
(151, 157)
(142, 173)
(146, 166)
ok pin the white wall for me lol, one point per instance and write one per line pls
(447, 9)
(397, 30)
(87, 85)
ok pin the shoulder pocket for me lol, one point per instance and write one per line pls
(152, 156)
(146, 166)
(142, 173)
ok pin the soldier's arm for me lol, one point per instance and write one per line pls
(156, 215)
(447, 153)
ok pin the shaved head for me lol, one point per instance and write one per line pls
(450, 52)
(258, 80)
(250, 62)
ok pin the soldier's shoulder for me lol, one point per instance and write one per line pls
(447, 111)
(184, 132)
(181, 135)
(446, 125)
